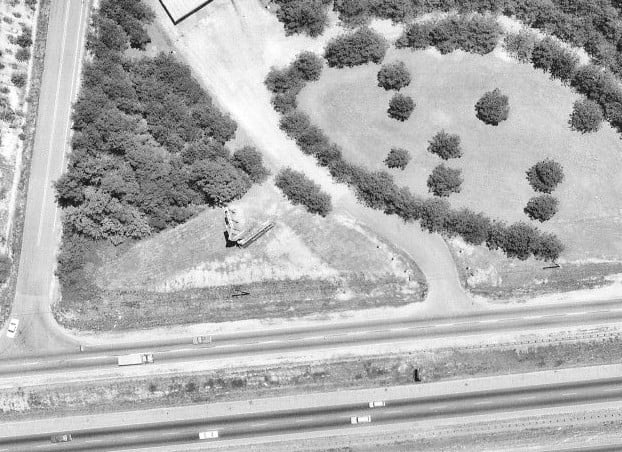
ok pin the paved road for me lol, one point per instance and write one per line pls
(352, 334)
(328, 417)
(38, 330)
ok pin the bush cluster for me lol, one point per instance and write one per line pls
(299, 189)
(443, 181)
(355, 48)
(393, 76)
(545, 176)
(378, 190)
(400, 107)
(586, 116)
(303, 16)
(493, 107)
(397, 158)
(446, 146)
(474, 34)
(352, 12)
(520, 45)
(249, 160)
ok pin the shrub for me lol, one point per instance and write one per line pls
(493, 107)
(219, 181)
(359, 47)
(301, 190)
(444, 181)
(541, 208)
(283, 80)
(302, 16)
(545, 175)
(393, 76)
(18, 79)
(294, 123)
(249, 160)
(5, 268)
(308, 66)
(519, 240)
(22, 54)
(552, 57)
(400, 107)
(284, 102)
(586, 116)
(352, 12)
(472, 227)
(397, 158)
(520, 45)
(445, 145)
(396, 10)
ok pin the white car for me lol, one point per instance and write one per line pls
(376, 404)
(13, 324)
(212, 434)
(360, 419)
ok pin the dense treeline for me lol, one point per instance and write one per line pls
(148, 147)
(378, 190)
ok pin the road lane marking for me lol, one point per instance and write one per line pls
(261, 424)
(93, 440)
(58, 83)
(528, 398)
(569, 393)
(611, 390)
(482, 403)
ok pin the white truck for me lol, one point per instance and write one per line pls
(136, 358)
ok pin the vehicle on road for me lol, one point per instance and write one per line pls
(376, 404)
(360, 419)
(61, 438)
(198, 340)
(13, 324)
(208, 435)
(136, 358)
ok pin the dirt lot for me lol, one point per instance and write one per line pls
(348, 105)
(305, 265)
(598, 346)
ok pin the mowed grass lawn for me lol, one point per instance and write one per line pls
(349, 106)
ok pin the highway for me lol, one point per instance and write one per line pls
(328, 417)
(255, 343)
(35, 281)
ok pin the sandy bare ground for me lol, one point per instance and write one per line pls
(231, 46)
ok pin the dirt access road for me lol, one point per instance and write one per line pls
(38, 331)
(231, 45)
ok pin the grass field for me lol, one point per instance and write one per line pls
(349, 106)
(305, 265)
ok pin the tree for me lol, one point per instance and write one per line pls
(301, 190)
(400, 107)
(434, 214)
(308, 66)
(294, 123)
(548, 247)
(541, 207)
(5, 268)
(397, 158)
(445, 145)
(22, 54)
(493, 107)
(396, 10)
(375, 189)
(545, 175)
(521, 45)
(472, 227)
(444, 181)
(586, 116)
(283, 80)
(18, 79)
(302, 16)
(393, 76)
(284, 102)
(219, 181)
(352, 49)
(352, 12)
(249, 160)
(24, 40)
(552, 57)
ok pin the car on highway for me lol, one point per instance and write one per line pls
(360, 419)
(212, 434)
(13, 324)
(198, 340)
(376, 404)
(61, 438)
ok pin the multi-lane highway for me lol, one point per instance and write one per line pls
(313, 338)
(327, 417)
(35, 282)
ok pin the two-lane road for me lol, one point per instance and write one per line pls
(35, 283)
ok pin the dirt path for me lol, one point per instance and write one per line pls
(231, 45)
